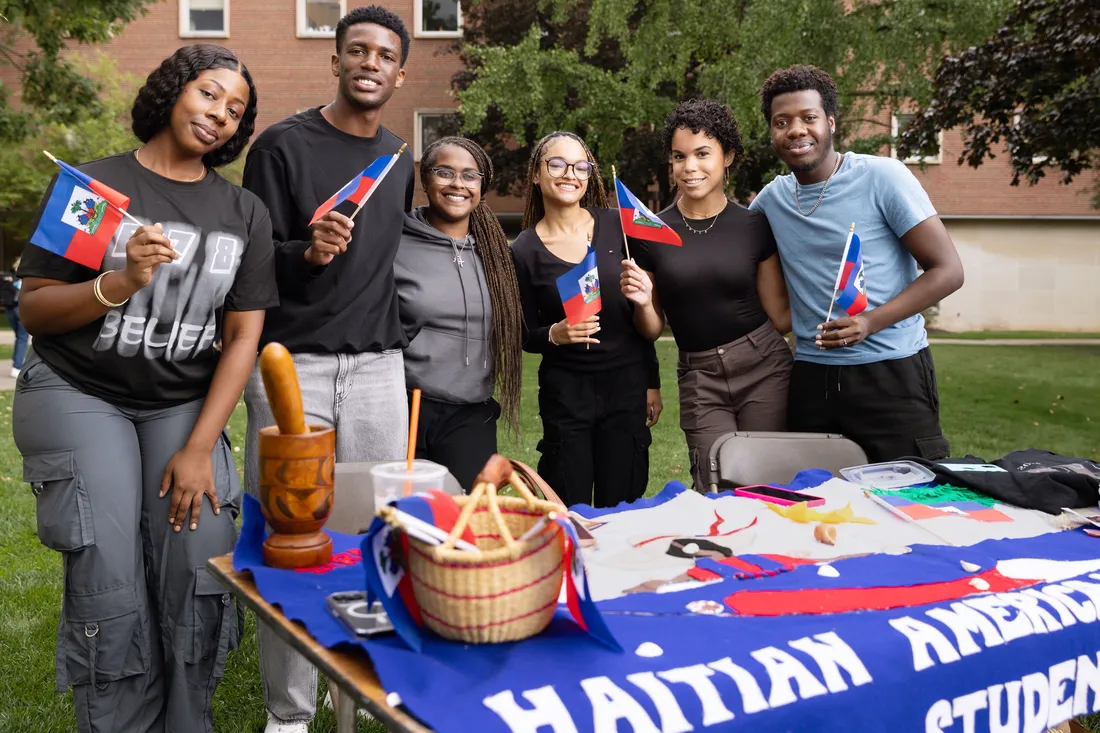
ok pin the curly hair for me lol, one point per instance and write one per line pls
(152, 110)
(377, 15)
(595, 196)
(798, 78)
(705, 115)
(500, 277)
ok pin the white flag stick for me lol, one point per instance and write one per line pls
(378, 180)
(618, 205)
(840, 272)
(124, 212)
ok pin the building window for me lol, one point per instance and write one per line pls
(899, 122)
(204, 18)
(430, 126)
(318, 18)
(438, 18)
(1035, 159)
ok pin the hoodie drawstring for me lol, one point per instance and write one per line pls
(465, 304)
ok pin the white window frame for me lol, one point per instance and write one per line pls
(418, 23)
(915, 159)
(300, 24)
(418, 141)
(1035, 158)
(185, 23)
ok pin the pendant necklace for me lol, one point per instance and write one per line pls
(836, 167)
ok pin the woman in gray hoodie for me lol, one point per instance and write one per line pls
(461, 310)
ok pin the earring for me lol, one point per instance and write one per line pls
(727, 179)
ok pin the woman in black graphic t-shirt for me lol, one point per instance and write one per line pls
(120, 410)
(722, 292)
(599, 386)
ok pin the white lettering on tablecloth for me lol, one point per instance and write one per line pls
(830, 661)
(998, 618)
(1032, 704)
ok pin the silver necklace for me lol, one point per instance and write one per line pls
(839, 157)
(701, 231)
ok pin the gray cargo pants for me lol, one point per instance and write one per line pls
(144, 630)
(363, 397)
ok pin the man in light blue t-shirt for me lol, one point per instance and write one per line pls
(869, 375)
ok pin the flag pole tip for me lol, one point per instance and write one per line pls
(402, 148)
(852, 228)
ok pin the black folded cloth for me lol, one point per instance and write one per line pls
(1032, 479)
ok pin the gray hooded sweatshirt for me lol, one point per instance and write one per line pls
(446, 313)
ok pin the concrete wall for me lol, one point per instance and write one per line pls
(1025, 274)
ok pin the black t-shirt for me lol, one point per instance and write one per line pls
(157, 349)
(537, 271)
(707, 288)
(349, 305)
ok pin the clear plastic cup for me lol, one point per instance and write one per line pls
(390, 479)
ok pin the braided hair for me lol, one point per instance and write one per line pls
(152, 110)
(500, 276)
(595, 196)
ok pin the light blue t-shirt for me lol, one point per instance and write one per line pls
(885, 201)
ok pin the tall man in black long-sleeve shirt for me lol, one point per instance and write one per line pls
(338, 301)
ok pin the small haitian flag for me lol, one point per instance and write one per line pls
(580, 290)
(80, 218)
(851, 284)
(359, 189)
(578, 599)
(641, 223)
(383, 551)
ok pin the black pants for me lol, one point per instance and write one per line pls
(460, 437)
(890, 408)
(594, 434)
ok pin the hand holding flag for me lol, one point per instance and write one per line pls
(579, 290)
(850, 293)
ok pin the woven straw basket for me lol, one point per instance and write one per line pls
(509, 589)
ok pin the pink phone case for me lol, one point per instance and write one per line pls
(748, 493)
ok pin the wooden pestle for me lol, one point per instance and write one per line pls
(283, 392)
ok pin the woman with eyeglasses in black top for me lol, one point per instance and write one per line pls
(599, 385)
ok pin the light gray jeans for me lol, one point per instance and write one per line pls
(363, 397)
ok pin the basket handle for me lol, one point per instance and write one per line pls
(498, 472)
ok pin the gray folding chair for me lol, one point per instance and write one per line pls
(746, 459)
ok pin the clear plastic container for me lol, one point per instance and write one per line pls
(390, 479)
(889, 475)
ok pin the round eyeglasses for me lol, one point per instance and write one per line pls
(447, 175)
(557, 168)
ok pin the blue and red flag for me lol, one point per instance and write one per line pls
(437, 508)
(851, 284)
(578, 599)
(80, 218)
(580, 290)
(641, 223)
(360, 188)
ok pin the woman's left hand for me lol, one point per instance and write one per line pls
(846, 331)
(189, 476)
(653, 407)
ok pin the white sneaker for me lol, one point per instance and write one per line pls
(14, 373)
(274, 725)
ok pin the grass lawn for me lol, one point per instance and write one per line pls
(994, 400)
(984, 335)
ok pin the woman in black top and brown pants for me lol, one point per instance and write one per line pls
(599, 387)
(722, 292)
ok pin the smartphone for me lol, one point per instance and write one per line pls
(350, 608)
(776, 495)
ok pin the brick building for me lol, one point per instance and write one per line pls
(1032, 253)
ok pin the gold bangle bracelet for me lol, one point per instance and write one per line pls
(96, 288)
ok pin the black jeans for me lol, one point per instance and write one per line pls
(890, 408)
(460, 437)
(594, 434)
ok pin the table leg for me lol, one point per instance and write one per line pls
(345, 708)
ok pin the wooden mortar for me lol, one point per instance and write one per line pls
(296, 470)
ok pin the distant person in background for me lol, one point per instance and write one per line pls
(461, 311)
(10, 286)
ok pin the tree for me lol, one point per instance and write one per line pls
(611, 69)
(105, 130)
(1035, 84)
(33, 35)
